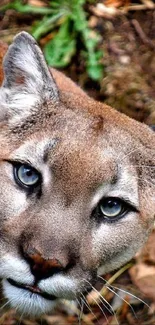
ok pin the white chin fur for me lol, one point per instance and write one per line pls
(26, 302)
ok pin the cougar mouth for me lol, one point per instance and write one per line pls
(33, 289)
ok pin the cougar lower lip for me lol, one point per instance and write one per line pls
(32, 289)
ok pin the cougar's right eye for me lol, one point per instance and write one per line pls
(111, 209)
(26, 176)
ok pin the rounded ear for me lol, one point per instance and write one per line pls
(27, 79)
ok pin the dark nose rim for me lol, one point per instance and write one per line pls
(41, 267)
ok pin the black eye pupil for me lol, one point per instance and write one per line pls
(111, 204)
(29, 173)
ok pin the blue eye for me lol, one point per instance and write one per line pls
(111, 208)
(26, 175)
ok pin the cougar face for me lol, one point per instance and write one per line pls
(77, 187)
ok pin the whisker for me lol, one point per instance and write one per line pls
(150, 182)
(81, 311)
(143, 166)
(21, 317)
(78, 312)
(2, 299)
(2, 307)
(132, 295)
(102, 299)
(122, 299)
(104, 302)
(125, 291)
(88, 306)
(127, 155)
(99, 306)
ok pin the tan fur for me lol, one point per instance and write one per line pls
(3, 49)
(52, 241)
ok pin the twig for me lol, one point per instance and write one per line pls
(141, 33)
(148, 3)
(104, 289)
(137, 8)
(110, 12)
(114, 49)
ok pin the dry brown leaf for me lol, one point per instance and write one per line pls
(143, 276)
(55, 320)
(8, 318)
(28, 322)
(143, 273)
(37, 3)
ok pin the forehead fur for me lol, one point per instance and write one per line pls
(41, 103)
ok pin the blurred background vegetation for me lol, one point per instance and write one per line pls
(108, 48)
(68, 22)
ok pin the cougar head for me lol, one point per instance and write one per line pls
(77, 190)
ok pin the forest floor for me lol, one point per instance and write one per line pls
(127, 39)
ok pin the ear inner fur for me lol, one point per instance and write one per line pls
(16, 59)
(27, 82)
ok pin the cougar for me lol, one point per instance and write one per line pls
(77, 191)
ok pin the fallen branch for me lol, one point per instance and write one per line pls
(141, 34)
(104, 11)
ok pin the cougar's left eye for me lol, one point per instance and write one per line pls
(26, 175)
(111, 208)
